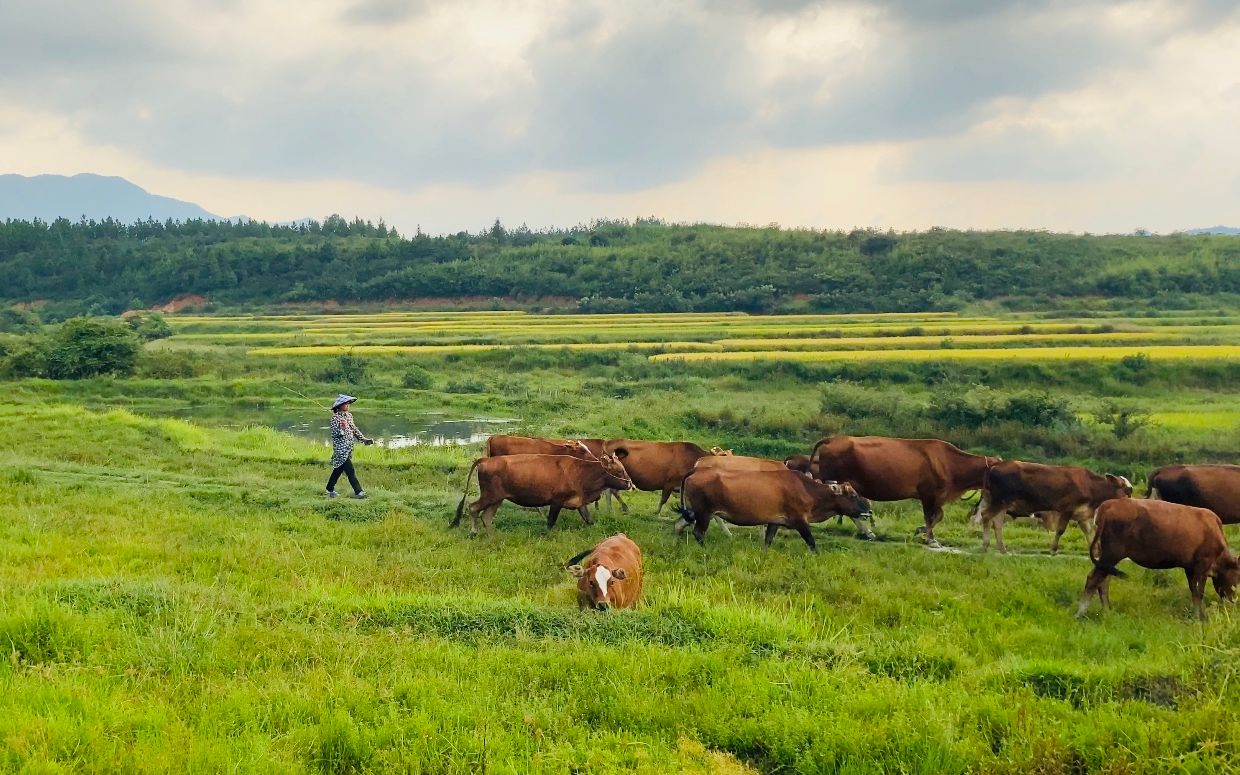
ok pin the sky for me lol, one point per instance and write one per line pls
(906, 114)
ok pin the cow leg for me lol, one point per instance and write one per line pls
(997, 526)
(1061, 524)
(488, 518)
(771, 530)
(553, 514)
(1094, 582)
(1197, 587)
(803, 529)
(723, 525)
(624, 507)
(584, 511)
(933, 513)
(667, 493)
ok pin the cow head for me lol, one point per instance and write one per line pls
(721, 452)
(847, 501)
(1123, 487)
(595, 582)
(617, 477)
(1227, 576)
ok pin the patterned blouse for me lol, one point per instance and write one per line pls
(344, 433)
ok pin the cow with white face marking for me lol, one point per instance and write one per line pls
(609, 575)
(1058, 494)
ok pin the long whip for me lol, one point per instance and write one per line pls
(302, 395)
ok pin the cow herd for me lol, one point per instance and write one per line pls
(1177, 525)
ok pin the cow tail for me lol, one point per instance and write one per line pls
(460, 507)
(1095, 545)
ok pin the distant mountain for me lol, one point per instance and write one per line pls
(1215, 230)
(49, 197)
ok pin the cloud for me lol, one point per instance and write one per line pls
(599, 102)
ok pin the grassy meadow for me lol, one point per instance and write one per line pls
(177, 594)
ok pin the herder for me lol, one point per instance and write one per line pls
(344, 433)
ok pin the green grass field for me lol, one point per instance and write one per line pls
(176, 594)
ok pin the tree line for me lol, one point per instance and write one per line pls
(106, 267)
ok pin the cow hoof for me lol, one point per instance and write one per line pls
(933, 543)
(868, 537)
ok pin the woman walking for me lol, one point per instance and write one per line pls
(344, 433)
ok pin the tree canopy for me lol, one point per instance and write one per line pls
(644, 265)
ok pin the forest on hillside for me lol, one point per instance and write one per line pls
(608, 266)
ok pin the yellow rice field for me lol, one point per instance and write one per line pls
(1171, 352)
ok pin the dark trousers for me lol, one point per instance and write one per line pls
(347, 470)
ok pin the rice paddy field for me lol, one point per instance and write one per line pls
(177, 594)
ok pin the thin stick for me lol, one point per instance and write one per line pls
(301, 395)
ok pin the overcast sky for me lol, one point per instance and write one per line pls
(1082, 116)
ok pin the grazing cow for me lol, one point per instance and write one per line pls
(587, 449)
(885, 469)
(772, 498)
(609, 575)
(1160, 535)
(555, 481)
(1213, 487)
(1059, 494)
(658, 465)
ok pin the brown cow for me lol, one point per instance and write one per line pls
(657, 465)
(885, 469)
(1160, 535)
(1213, 487)
(772, 498)
(610, 576)
(588, 449)
(802, 464)
(738, 463)
(556, 481)
(1058, 494)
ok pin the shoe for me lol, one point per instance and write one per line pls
(360, 495)
(331, 493)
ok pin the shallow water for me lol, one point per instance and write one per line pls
(397, 431)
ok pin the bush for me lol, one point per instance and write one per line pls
(1124, 421)
(417, 378)
(348, 369)
(150, 327)
(983, 406)
(80, 348)
(19, 321)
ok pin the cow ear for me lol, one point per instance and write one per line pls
(619, 573)
(620, 454)
(577, 570)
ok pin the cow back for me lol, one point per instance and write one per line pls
(1214, 487)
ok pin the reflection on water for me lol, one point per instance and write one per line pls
(397, 431)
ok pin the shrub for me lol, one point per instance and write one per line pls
(1124, 421)
(80, 348)
(417, 378)
(19, 321)
(150, 327)
(347, 369)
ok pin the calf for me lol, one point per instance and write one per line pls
(1059, 494)
(772, 498)
(609, 575)
(556, 481)
(1160, 535)
(1213, 487)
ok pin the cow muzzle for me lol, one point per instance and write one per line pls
(600, 605)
